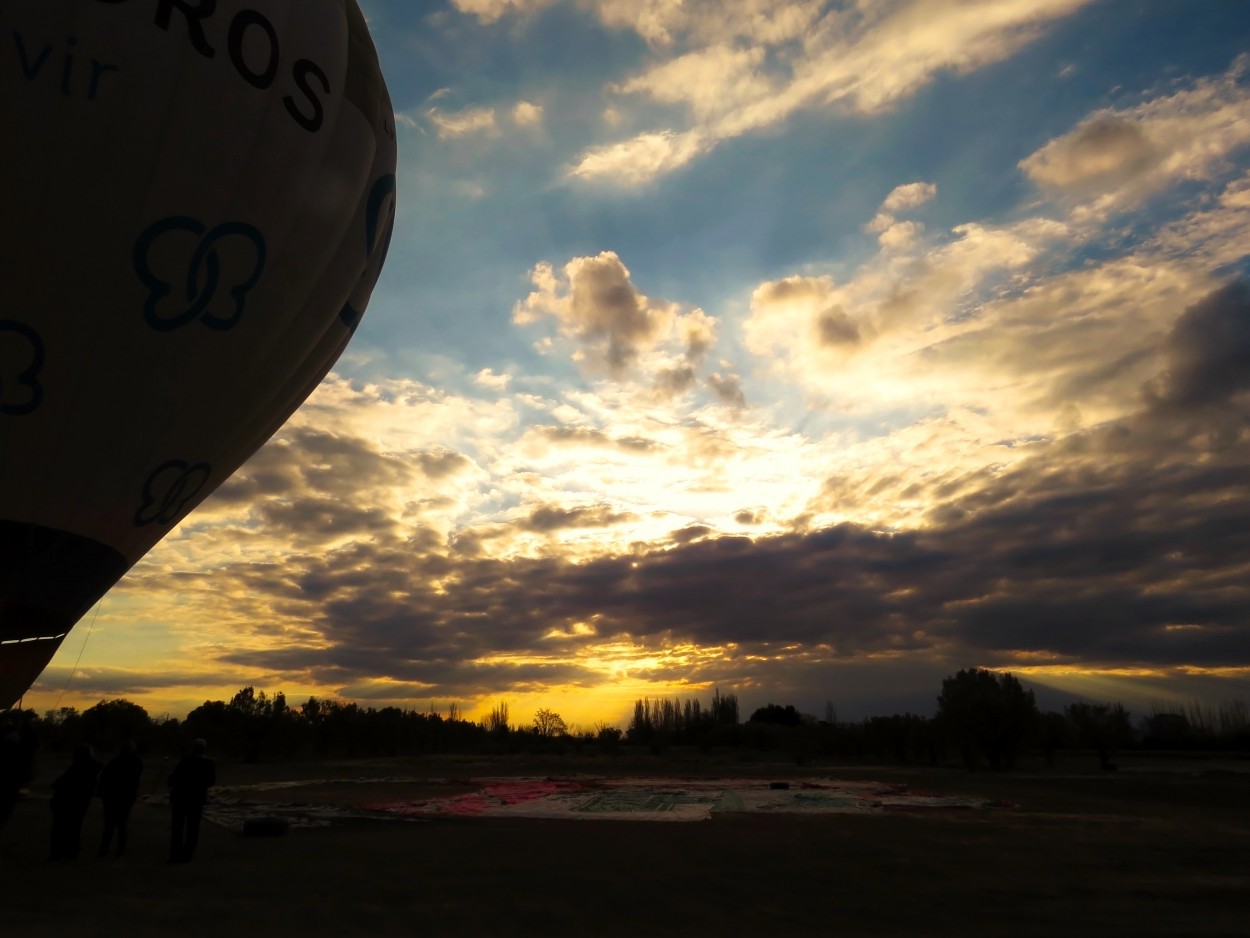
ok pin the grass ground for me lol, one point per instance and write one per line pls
(1158, 848)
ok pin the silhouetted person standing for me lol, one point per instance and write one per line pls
(71, 796)
(12, 772)
(118, 789)
(189, 783)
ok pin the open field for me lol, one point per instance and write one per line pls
(1161, 847)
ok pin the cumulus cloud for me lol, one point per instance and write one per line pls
(728, 389)
(895, 235)
(908, 196)
(527, 114)
(900, 235)
(594, 302)
(884, 335)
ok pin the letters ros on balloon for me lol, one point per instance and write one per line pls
(194, 273)
(21, 360)
(169, 490)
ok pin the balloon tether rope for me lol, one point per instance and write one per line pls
(74, 670)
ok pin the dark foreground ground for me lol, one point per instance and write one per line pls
(1158, 848)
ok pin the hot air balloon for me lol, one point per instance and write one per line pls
(197, 198)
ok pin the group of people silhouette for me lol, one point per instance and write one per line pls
(116, 784)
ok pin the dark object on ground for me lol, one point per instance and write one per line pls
(781, 786)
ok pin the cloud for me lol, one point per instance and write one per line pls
(728, 389)
(548, 518)
(1115, 159)
(488, 378)
(462, 123)
(908, 196)
(527, 114)
(641, 159)
(748, 65)
(662, 22)
(1209, 349)
(1106, 150)
(894, 235)
(595, 303)
(900, 235)
(489, 11)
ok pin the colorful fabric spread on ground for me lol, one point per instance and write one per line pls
(676, 800)
(583, 799)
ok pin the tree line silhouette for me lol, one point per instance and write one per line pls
(982, 718)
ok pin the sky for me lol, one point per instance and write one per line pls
(811, 351)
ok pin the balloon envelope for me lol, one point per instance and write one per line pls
(197, 200)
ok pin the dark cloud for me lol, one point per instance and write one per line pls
(690, 533)
(728, 388)
(1209, 349)
(547, 518)
(303, 461)
(671, 382)
(108, 683)
(326, 517)
(588, 436)
(442, 463)
(834, 327)
(1104, 151)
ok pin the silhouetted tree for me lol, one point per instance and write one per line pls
(549, 724)
(903, 737)
(59, 729)
(1052, 731)
(1102, 727)
(109, 723)
(1165, 729)
(775, 713)
(212, 721)
(608, 736)
(497, 720)
(724, 708)
(988, 714)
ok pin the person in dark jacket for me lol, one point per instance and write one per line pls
(11, 772)
(71, 797)
(118, 789)
(189, 783)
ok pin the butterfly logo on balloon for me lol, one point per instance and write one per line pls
(21, 359)
(198, 250)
